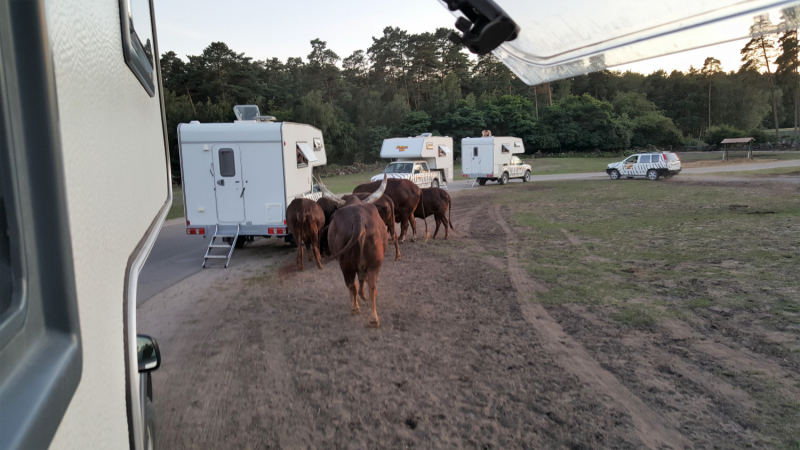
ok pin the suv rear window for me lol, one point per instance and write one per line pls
(671, 156)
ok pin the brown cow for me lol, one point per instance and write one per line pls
(385, 207)
(328, 208)
(407, 197)
(305, 219)
(358, 239)
(436, 202)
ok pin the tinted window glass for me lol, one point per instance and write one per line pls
(672, 157)
(644, 159)
(424, 167)
(398, 168)
(475, 151)
(227, 163)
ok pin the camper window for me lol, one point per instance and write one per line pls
(475, 152)
(301, 159)
(138, 46)
(227, 162)
(317, 144)
(505, 149)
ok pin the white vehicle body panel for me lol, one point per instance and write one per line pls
(267, 176)
(627, 168)
(118, 193)
(489, 157)
(436, 151)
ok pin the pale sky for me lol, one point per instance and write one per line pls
(266, 29)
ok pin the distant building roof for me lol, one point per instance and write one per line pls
(737, 140)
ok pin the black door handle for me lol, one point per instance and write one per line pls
(221, 182)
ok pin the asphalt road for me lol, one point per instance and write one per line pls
(176, 256)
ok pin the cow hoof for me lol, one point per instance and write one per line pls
(374, 324)
(354, 311)
(398, 258)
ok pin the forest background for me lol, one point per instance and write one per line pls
(407, 84)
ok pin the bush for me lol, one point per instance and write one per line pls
(656, 129)
(715, 135)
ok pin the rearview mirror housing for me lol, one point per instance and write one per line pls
(147, 353)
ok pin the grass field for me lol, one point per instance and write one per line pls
(177, 203)
(718, 260)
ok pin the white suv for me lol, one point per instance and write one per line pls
(646, 165)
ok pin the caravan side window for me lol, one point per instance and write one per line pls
(227, 162)
(475, 152)
(505, 149)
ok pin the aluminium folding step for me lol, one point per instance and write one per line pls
(222, 232)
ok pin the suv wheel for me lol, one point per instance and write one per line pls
(482, 181)
(614, 174)
(652, 174)
(527, 176)
(504, 178)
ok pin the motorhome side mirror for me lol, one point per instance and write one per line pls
(147, 353)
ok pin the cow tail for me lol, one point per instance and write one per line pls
(353, 240)
(298, 219)
(424, 218)
(450, 212)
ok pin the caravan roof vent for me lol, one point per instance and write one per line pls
(264, 118)
(426, 134)
(246, 112)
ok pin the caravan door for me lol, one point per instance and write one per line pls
(228, 187)
(482, 160)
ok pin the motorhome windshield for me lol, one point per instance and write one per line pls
(399, 168)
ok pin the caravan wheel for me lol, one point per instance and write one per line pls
(527, 176)
(504, 179)
(435, 183)
(482, 181)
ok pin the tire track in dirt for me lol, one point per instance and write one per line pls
(575, 359)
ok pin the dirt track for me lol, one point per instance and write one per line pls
(261, 356)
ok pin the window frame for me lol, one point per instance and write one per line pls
(135, 58)
(222, 172)
(35, 395)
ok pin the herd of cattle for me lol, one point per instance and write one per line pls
(355, 229)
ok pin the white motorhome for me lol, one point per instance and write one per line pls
(492, 158)
(425, 159)
(84, 189)
(238, 178)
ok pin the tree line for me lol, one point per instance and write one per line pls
(406, 84)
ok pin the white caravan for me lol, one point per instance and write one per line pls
(238, 178)
(84, 189)
(492, 158)
(426, 160)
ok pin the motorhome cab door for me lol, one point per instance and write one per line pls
(228, 188)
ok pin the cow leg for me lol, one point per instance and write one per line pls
(396, 246)
(361, 293)
(413, 221)
(403, 228)
(317, 255)
(446, 229)
(437, 227)
(350, 282)
(300, 253)
(372, 282)
(310, 250)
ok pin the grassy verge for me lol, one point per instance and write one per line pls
(794, 171)
(176, 210)
(640, 254)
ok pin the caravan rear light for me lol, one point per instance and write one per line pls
(200, 231)
(270, 230)
(188, 222)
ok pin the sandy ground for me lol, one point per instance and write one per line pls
(260, 356)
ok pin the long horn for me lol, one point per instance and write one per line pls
(328, 194)
(377, 194)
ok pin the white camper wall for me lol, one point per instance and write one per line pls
(116, 183)
(262, 172)
(298, 179)
(198, 184)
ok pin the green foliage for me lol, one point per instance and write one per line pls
(656, 129)
(406, 84)
(583, 122)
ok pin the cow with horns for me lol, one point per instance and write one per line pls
(305, 220)
(407, 198)
(436, 202)
(357, 237)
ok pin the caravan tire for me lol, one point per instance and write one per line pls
(482, 181)
(240, 242)
(503, 178)
(435, 183)
(527, 176)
